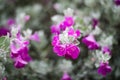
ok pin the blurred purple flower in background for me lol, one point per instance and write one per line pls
(35, 37)
(5, 78)
(4, 31)
(66, 76)
(94, 22)
(11, 22)
(117, 2)
(27, 18)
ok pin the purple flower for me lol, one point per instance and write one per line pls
(4, 78)
(117, 2)
(104, 69)
(17, 44)
(60, 50)
(68, 21)
(4, 31)
(21, 58)
(65, 41)
(90, 42)
(71, 31)
(55, 29)
(94, 22)
(70, 51)
(62, 26)
(19, 53)
(73, 51)
(66, 77)
(75, 33)
(55, 40)
(35, 37)
(10, 22)
(19, 62)
(106, 49)
(27, 18)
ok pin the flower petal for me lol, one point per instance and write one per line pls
(59, 49)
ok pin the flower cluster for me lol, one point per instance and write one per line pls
(19, 44)
(102, 57)
(65, 38)
(103, 53)
(104, 67)
(65, 41)
(19, 52)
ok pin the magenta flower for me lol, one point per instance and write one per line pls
(117, 2)
(4, 31)
(19, 62)
(55, 40)
(75, 33)
(94, 22)
(106, 49)
(60, 50)
(65, 44)
(35, 37)
(19, 53)
(27, 18)
(71, 31)
(55, 29)
(90, 42)
(10, 22)
(4, 78)
(68, 21)
(65, 41)
(17, 44)
(22, 58)
(62, 26)
(70, 51)
(104, 69)
(66, 77)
